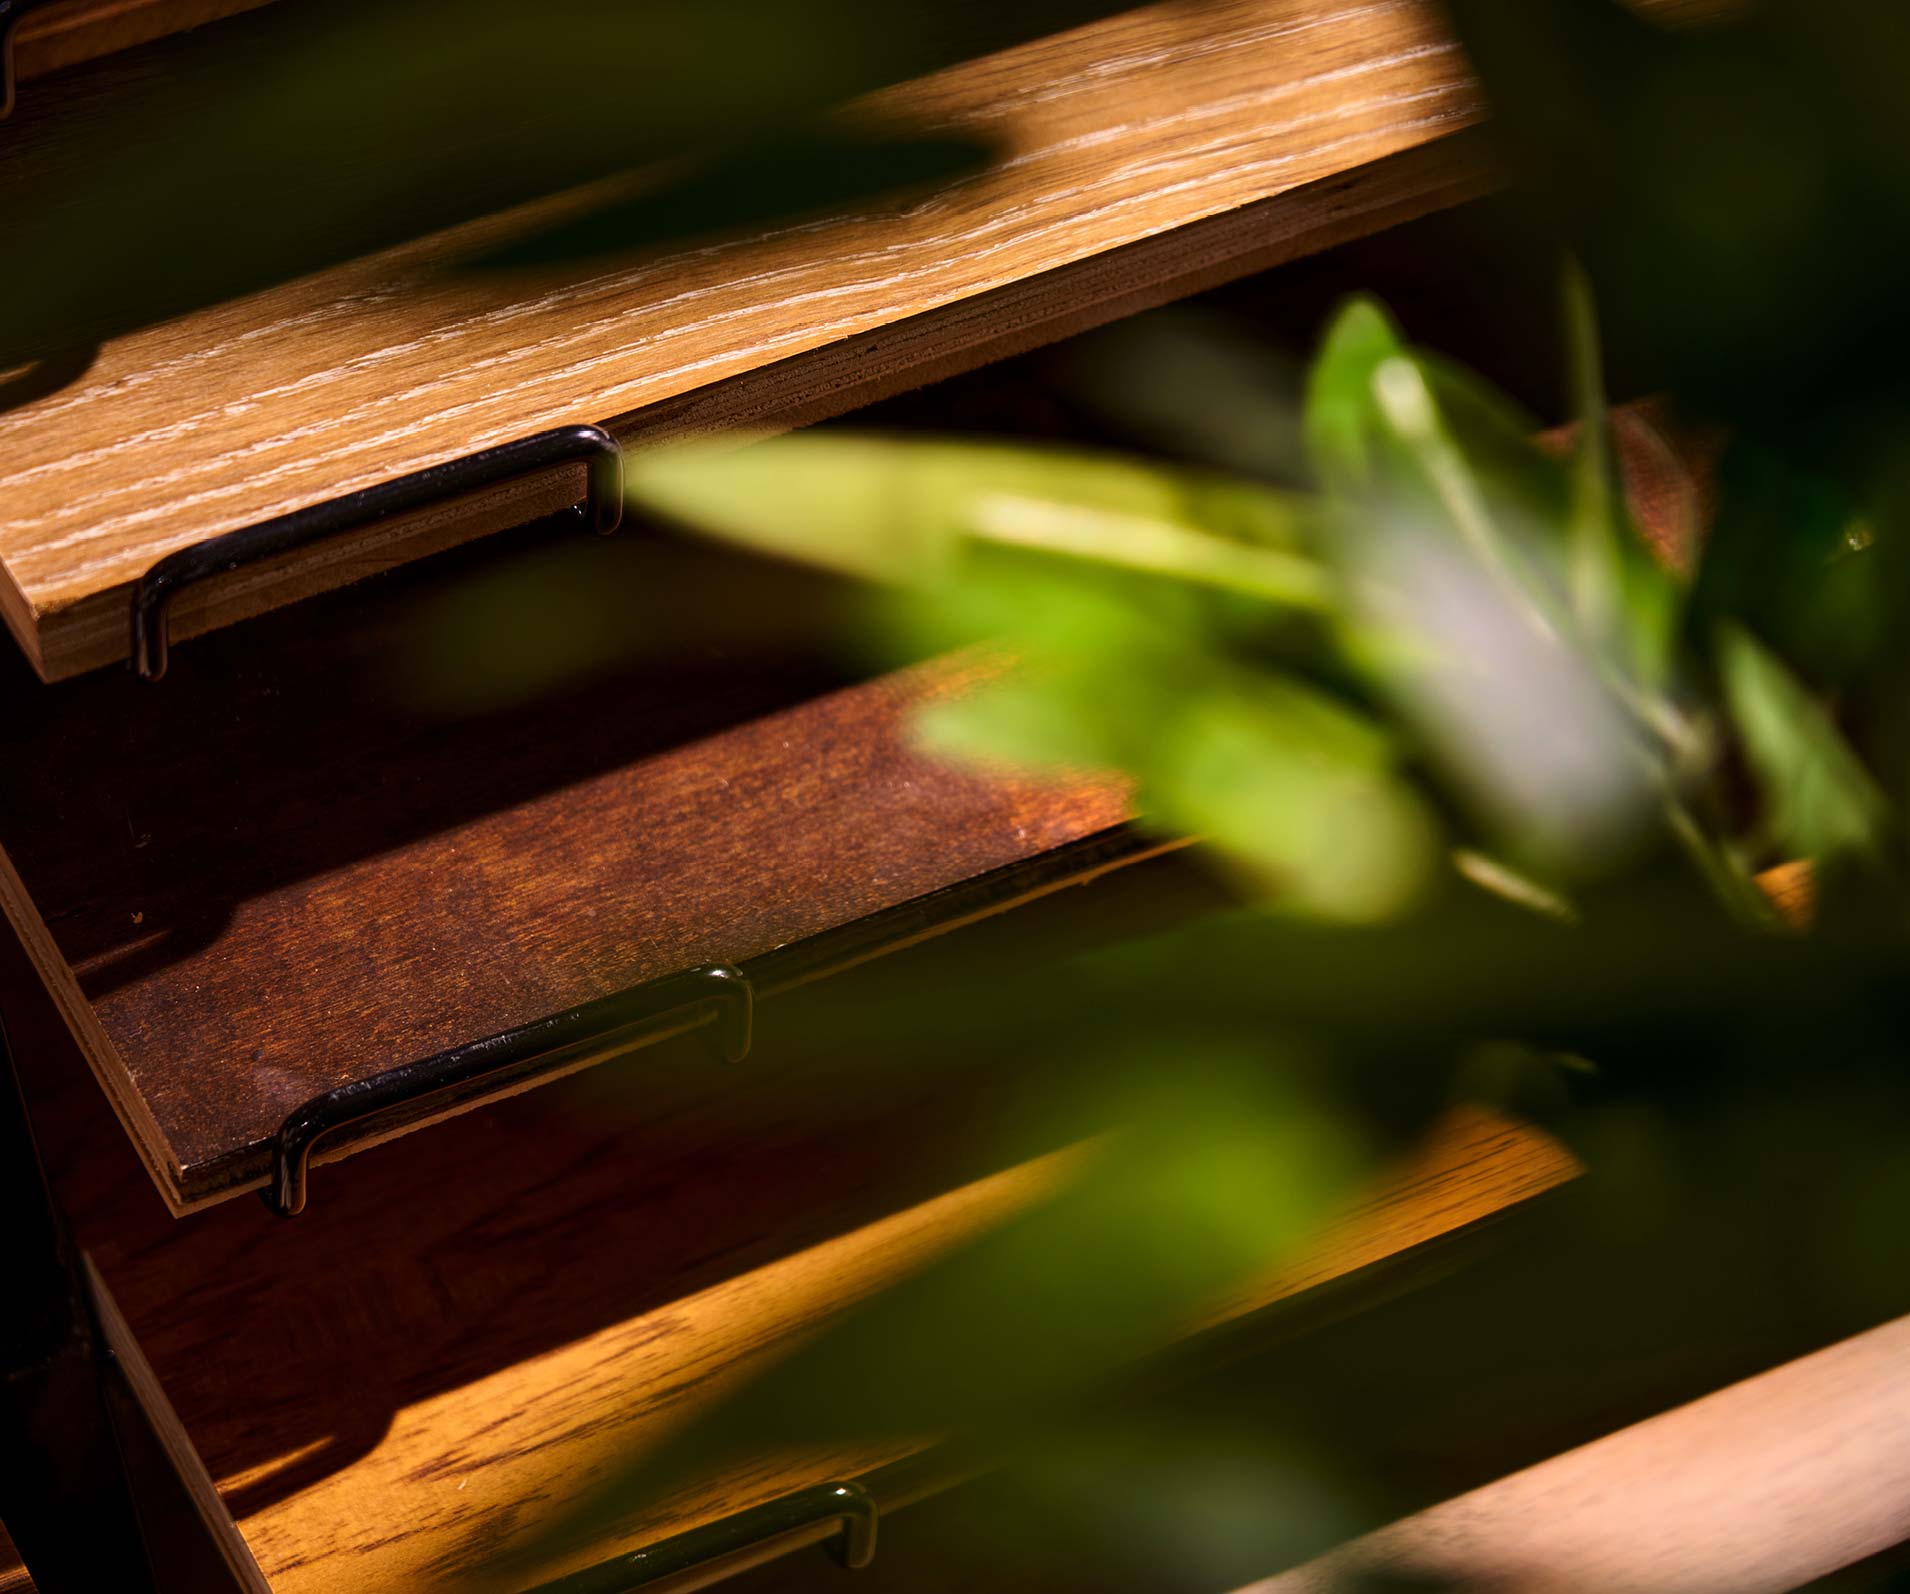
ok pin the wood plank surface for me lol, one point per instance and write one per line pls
(67, 32)
(396, 1387)
(277, 873)
(1765, 1486)
(1147, 156)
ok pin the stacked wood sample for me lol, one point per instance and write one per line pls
(1147, 156)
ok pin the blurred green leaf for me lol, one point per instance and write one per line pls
(1593, 529)
(1058, 554)
(900, 509)
(1341, 422)
(1206, 1177)
(1821, 802)
(1197, 384)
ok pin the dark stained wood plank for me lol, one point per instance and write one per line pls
(286, 869)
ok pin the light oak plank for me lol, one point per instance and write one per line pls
(1180, 143)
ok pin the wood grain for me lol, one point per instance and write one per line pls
(68, 32)
(1178, 143)
(1765, 1486)
(271, 876)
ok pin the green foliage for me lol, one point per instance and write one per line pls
(1439, 658)
(1197, 1182)
(1278, 672)
(1820, 801)
(1133, 595)
(1455, 646)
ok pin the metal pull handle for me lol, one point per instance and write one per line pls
(848, 1504)
(160, 587)
(540, 1047)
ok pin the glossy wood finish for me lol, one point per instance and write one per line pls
(1148, 156)
(285, 868)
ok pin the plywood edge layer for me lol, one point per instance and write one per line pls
(57, 976)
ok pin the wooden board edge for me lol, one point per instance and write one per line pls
(1012, 319)
(1774, 1481)
(16, 609)
(109, 1068)
(95, 632)
(173, 1438)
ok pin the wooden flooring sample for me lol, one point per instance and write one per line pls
(270, 877)
(1147, 156)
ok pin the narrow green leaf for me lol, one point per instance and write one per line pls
(1210, 1173)
(1821, 801)
(1341, 420)
(902, 509)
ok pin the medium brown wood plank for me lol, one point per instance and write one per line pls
(1265, 128)
(271, 876)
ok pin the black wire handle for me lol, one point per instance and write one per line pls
(542, 1047)
(849, 1504)
(601, 510)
